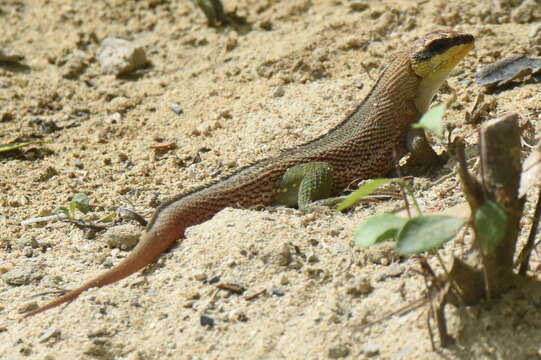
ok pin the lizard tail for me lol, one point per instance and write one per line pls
(152, 244)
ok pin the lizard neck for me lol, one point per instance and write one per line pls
(427, 90)
(388, 109)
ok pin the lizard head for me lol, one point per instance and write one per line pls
(433, 57)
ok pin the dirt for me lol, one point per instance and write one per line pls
(226, 97)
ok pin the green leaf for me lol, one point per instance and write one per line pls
(427, 232)
(80, 201)
(432, 120)
(108, 218)
(72, 207)
(490, 224)
(366, 189)
(63, 210)
(378, 228)
(15, 146)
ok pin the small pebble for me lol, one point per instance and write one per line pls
(120, 104)
(28, 251)
(358, 6)
(266, 25)
(312, 258)
(338, 351)
(122, 156)
(50, 333)
(394, 270)
(206, 127)
(25, 241)
(279, 91)
(119, 56)
(206, 320)
(352, 43)
(90, 234)
(295, 265)
(231, 42)
(18, 200)
(98, 349)
(371, 349)
(99, 333)
(237, 315)
(242, 317)
(362, 287)
(6, 116)
(113, 118)
(115, 253)
(200, 276)
(277, 291)
(21, 275)
(46, 174)
(25, 350)
(108, 262)
(137, 282)
(4, 268)
(313, 272)
(27, 307)
(278, 257)
(194, 295)
(74, 66)
(45, 211)
(177, 109)
(48, 127)
(8, 56)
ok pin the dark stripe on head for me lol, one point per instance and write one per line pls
(439, 46)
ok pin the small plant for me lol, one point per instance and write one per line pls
(492, 217)
(429, 232)
(78, 202)
(15, 146)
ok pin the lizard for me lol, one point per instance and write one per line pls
(364, 145)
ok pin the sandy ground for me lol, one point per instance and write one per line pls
(245, 93)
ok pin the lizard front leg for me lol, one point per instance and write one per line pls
(421, 151)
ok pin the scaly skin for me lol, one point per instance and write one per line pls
(360, 147)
